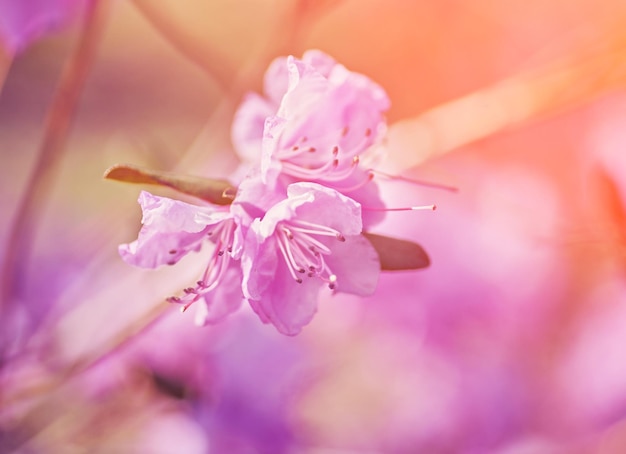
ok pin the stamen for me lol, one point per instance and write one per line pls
(222, 235)
(311, 244)
(428, 184)
(291, 263)
(292, 259)
(307, 173)
(303, 253)
(317, 229)
(187, 306)
(415, 208)
(369, 177)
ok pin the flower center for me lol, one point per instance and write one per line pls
(222, 235)
(303, 252)
(335, 161)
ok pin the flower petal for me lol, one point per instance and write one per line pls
(248, 124)
(356, 265)
(225, 299)
(171, 229)
(286, 304)
(325, 206)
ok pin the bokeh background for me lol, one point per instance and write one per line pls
(511, 342)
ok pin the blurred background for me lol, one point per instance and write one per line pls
(510, 342)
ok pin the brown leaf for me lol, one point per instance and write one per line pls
(219, 192)
(398, 255)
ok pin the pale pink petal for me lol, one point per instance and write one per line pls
(327, 207)
(321, 61)
(356, 263)
(276, 81)
(171, 229)
(275, 296)
(225, 299)
(247, 127)
(319, 219)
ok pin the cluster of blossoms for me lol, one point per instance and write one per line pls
(294, 227)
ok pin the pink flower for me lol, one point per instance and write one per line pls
(316, 119)
(314, 123)
(309, 240)
(172, 229)
(247, 128)
(323, 124)
(297, 218)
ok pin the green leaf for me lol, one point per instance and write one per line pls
(398, 255)
(219, 192)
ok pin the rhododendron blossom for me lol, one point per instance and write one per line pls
(309, 240)
(315, 123)
(323, 123)
(295, 225)
(172, 229)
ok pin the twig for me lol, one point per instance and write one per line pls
(510, 102)
(56, 129)
(6, 58)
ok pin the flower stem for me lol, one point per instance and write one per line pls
(6, 58)
(50, 393)
(56, 130)
(526, 96)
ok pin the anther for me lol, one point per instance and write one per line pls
(312, 150)
(172, 251)
(335, 150)
(368, 132)
(341, 238)
(332, 281)
(344, 131)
